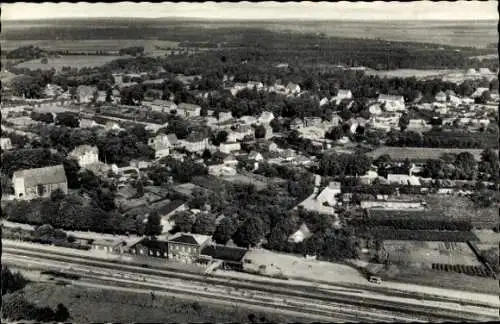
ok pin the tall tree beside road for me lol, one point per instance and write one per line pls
(260, 131)
(153, 224)
(466, 164)
(404, 121)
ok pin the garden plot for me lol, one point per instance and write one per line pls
(424, 254)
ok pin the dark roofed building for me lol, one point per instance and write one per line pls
(232, 257)
(151, 247)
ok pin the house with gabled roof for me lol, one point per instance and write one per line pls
(300, 235)
(40, 182)
(161, 105)
(265, 117)
(188, 110)
(85, 155)
(293, 88)
(392, 103)
(187, 247)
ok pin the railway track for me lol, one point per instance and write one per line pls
(338, 297)
(313, 309)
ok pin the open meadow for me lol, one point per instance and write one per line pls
(90, 45)
(74, 61)
(290, 266)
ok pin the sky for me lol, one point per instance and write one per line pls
(307, 10)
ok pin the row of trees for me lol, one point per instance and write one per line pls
(440, 139)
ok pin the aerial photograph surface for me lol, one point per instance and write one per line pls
(245, 162)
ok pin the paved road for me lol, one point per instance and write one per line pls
(379, 306)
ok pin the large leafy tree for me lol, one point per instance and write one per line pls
(250, 232)
(204, 224)
(184, 221)
(225, 230)
(153, 224)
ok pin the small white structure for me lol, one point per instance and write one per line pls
(161, 144)
(341, 95)
(225, 116)
(85, 155)
(188, 110)
(293, 88)
(161, 105)
(5, 143)
(265, 117)
(229, 147)
(440, 96)
(403, 179)
(300, 235)
(392, 103)
(479, 92)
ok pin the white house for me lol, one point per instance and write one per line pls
(300, 235)
(195, 143)
(161, 144)
(375, 109)
(85, 93)
(225, 116)
(255, 156)
(249, 120)
(161, 105)
(293, 88)
(6, 143)
(403, 179)
(265, 117)
(85, 155)
(323, 102)
(229, 147)
(479, 92)
(440, 96)
(392, 103)
(341, 95)
(188, 110)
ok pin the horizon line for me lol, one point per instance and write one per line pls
(249, 19)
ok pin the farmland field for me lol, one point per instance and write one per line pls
(462, 208)
(430, 277)
(75, 61)
(407, 73)
(89, 45)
